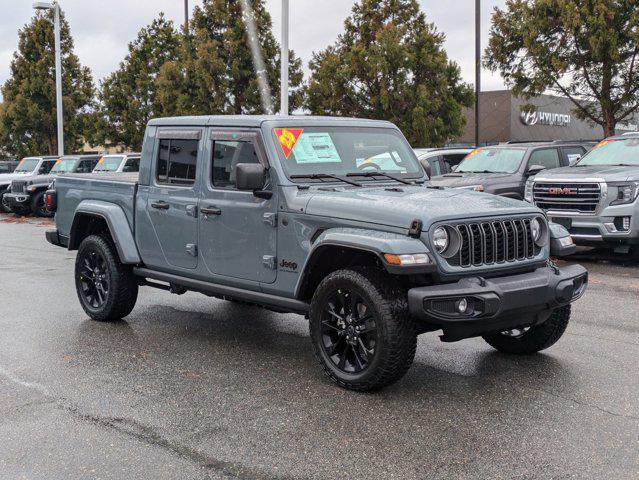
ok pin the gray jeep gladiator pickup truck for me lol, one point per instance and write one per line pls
(296, 214)
(597, 198)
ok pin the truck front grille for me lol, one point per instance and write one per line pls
(581, 198)
(492, 242)
(17, 186)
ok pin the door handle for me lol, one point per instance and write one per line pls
(160, 205)
(211, 211)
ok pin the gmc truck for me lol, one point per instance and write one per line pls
(325, 217)
(596, 199)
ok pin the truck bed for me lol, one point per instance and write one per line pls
(75, 188)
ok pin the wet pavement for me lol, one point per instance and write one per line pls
(192, 387)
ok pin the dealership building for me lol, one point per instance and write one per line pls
(553, 118)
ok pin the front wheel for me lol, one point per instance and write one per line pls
(529, 340)
(107, 289)
(38, 207)
(360, 328)
(4, 206)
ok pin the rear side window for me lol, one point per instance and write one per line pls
(573, 154)
(548, 157)
(453, 159)
(177, 162)
(132, 165)
(226, 155)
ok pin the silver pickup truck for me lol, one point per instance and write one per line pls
(596, 199)
(329, 218)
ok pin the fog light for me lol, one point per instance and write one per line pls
(566, 242)
(462, 306)
(626, 223)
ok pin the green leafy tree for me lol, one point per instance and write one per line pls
(390, 64)
(215, 73)
(28, 113)
(128, 97)
(585, 50)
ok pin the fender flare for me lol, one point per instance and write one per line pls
(117, 223)
(369, 241)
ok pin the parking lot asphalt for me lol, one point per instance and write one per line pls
(192, 387)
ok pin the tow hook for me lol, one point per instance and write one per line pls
(554, 267)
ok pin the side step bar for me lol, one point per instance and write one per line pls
(281, 304)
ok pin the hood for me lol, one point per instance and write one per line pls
(592, 172)
(41, 179)
(400, 208)
(7, 178)
(460, 179)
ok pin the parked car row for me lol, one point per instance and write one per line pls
(22, 192)
(591, 190)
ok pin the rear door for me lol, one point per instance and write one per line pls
(572, 154)
(172, 198)
(238, 231)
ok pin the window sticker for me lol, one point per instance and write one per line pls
(315, 148)
(288, 138)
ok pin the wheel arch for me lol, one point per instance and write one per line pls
(346, 247)
(102, 217)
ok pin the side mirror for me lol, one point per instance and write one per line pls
(250, 176)
(534, 170)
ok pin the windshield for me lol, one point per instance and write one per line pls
(64, 165)
(108, 164)
(345, 150)
(27, 165)
(492, 160)
(613, 152)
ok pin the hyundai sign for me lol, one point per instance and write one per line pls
(545, 118)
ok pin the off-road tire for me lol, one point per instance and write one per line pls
(396, 337)
(123, 286)
(38, 208)
(537, 338)
(3, 208)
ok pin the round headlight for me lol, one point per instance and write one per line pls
(440, 239)
(535, 229)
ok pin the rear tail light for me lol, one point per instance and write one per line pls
(51, 200)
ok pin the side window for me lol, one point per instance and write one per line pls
(177, 162)
(46, 167)
(454, 158)
(435, 166)
(226, 155)
(572, 154)
(548, 157)
(131, 165)
(86, 166)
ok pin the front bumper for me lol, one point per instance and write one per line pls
(18, 201)
(497, 304)
(601, 228)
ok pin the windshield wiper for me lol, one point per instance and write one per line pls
(319, 176)
(477, 171)
(379, 174)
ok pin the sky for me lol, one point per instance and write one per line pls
(103, 29)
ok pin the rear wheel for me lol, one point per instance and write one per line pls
(529, 340)
(361, 331)
(107, 289)
(38, 207)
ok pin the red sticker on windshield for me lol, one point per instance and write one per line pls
(288, 138)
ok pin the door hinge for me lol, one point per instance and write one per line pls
(270, 219)
(269, 261)
(191, 249)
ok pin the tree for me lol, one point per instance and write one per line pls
(584, 50)
(128, 97)
(390, 64)
(214, 72)
(28, 113)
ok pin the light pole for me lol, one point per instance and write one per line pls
(58, 67)
(284, 61)
(477, 66)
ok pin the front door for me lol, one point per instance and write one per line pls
(172, 198)
(238, 231)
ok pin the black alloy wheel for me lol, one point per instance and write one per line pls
(94, 279)
(349, 331)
